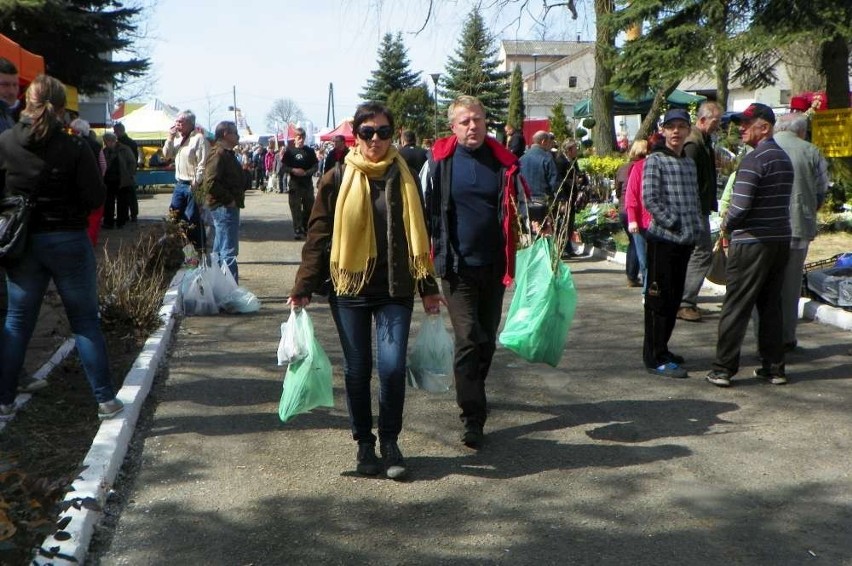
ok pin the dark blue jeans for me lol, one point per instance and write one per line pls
(66, 258)
(632, 265)
(354, 319)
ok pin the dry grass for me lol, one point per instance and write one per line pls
(132, 278)
(828, 245)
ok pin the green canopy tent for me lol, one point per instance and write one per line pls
(625, 106)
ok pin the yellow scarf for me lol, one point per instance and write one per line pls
(353, 239)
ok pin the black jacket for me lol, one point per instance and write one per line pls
(61, 166)
(415, 157)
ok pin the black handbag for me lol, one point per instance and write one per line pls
(14, 217)
(718, 264)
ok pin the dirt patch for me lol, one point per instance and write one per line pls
(42, 448)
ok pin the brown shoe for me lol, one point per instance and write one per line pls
(633, 282)
(692, 314)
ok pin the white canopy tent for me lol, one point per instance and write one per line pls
(151, 122)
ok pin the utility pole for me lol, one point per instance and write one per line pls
(235, 104)
(330, 107)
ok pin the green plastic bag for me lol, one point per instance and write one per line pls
(543, 306)
(307, 383)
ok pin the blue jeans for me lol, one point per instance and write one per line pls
(641, 256)
(183, 204)
(68, 259)
(226, 241)
(354, 318)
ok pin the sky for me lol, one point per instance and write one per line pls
(203, 50)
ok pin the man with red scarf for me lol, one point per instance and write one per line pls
(472, 203)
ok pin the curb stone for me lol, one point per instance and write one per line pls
(89, 491)
(808, 308)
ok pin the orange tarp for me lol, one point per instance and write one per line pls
(29, 64)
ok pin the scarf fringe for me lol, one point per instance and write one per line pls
(351, 282)
(421, 267)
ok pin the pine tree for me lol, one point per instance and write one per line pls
(75, 37)
(558, 122)
(393, 73)
(413, 109)
(515, 117)
(473, 70)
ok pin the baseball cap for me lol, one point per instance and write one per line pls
(676, 114)
(755, 110)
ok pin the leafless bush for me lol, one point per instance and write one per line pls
(132, 279)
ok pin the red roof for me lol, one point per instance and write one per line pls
(344, 129)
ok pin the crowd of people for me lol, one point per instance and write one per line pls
(386, 223)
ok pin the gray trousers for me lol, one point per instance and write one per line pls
(790, 293)
(699, 264)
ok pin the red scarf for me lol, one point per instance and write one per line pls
(445, 147)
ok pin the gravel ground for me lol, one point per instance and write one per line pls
(592, 462)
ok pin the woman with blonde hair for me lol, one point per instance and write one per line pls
(369, 214)
(37, 156)
(638, 151)
(638, 218)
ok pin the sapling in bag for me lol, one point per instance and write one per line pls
(430, 363)
(293, 345)
(543, 306)
(307, 383)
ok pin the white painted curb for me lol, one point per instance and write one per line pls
(88, 493)
(808, 308)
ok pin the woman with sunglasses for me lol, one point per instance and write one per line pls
(369, 214)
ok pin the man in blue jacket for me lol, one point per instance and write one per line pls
(539, 169)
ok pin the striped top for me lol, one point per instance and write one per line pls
(760, 202)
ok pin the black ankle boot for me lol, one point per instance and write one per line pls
(368, 463)
(394, 464)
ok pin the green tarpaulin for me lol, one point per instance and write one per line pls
(624, 106)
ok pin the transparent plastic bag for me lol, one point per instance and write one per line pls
(430, 363)
(241, 301)
(223, 281)
(307, 383)
(293, 345)
(197, 290)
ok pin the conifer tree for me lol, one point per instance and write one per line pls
(558, 122)
(75, 37)
(515, 117)
(413, 109)
(473, 70)
(393, 73)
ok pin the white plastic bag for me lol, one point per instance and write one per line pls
(222, 280)
(430, 363)
(198, 299)
(241, 300)
(295, 336)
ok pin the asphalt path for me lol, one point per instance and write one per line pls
(592, 462)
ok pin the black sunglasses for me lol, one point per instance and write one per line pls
(366, 133)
